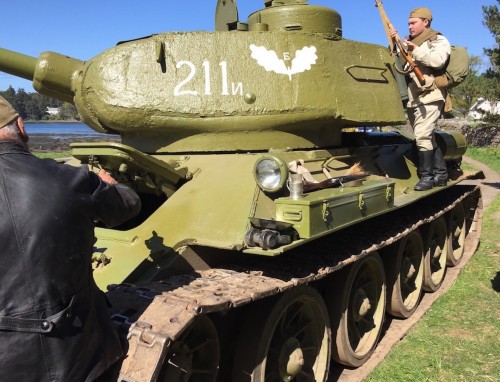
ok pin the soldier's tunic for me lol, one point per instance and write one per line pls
(426, 102)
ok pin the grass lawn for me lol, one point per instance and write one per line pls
(55, 154)
(488, 155)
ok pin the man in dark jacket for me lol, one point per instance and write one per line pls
(54, 322)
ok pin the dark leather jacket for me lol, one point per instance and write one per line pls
(54, 323)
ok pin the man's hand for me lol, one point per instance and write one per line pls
(427, 85)
(409, 46)
(106, 177)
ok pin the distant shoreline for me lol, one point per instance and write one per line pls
(51, 143)
(54, 121)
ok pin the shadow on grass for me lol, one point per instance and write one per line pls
(495, 282)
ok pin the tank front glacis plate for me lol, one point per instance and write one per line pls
(292, 88)
(211, 210)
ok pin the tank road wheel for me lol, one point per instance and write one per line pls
(405, 271)
(456, 238)
(285, 339)
(195, 356)
(436, 249)
(356, 305)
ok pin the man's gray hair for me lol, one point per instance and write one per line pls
(10, 132)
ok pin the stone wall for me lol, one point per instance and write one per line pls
(482, 136)
(479, 135)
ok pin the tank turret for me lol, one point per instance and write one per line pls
(286, 77)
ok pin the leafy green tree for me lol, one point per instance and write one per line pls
(33, 106)
(68, 111)
(10, 95)
(466, 94)
(492, 75)
(492, 22)
(21, 100)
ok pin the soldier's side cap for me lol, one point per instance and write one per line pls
(422, 13)
(7, 112)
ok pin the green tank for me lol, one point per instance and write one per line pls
(279, 224)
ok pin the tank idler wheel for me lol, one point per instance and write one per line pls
(356, 303)
(405, 271)
(285, 339)
(436, 249)
(456, 232)
(195, 356)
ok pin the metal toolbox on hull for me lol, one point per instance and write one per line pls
(331, 209)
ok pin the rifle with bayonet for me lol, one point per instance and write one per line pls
(396, 40)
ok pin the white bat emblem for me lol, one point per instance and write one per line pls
(269, 60)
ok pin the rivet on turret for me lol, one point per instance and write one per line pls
(250, 98)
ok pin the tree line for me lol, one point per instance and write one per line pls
(33, 106)
(486, 85)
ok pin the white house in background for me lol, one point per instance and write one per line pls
(483, 106)
(52, 110)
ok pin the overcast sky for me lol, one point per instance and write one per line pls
(83, 29)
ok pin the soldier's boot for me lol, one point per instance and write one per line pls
(440, 170)
(425, 166)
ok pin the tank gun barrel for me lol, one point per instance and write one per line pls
(17, 64)
(52, 74)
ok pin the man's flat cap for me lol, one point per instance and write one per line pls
(422, 13)
(7, 112)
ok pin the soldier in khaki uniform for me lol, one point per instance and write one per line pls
(430, 51)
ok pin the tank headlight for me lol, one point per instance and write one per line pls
(270, 173)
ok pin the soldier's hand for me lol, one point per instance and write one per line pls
(428, 84)
(409, 46)
(106, 177)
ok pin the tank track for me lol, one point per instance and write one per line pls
(155, 315)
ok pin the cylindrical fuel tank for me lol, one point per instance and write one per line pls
(452, 144)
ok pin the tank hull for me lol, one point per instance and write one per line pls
(186, 262)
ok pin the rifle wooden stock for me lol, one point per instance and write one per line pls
(334, 182)
(404, 52)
